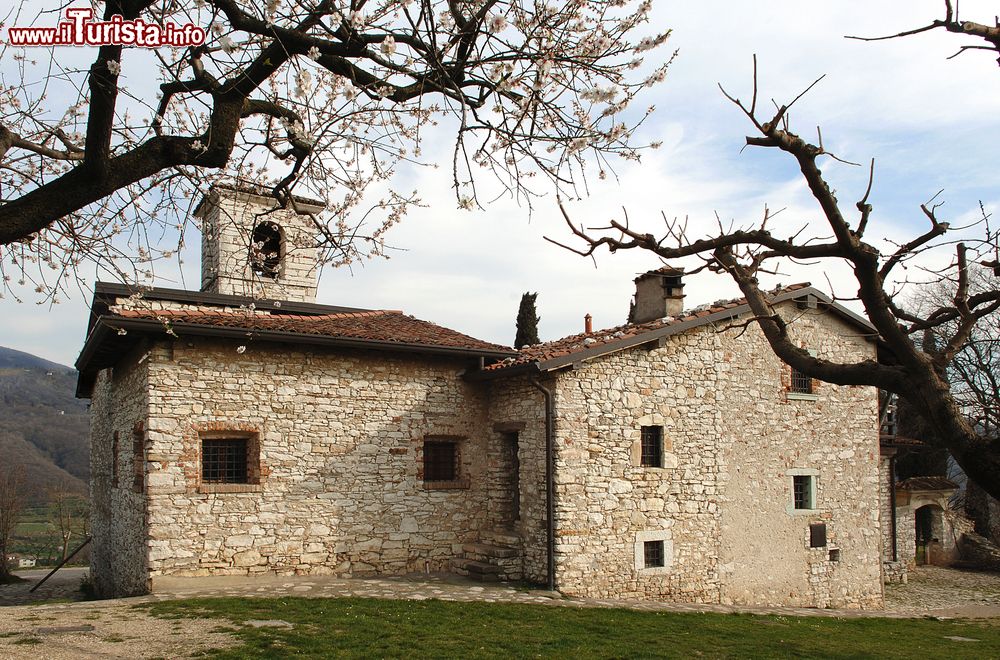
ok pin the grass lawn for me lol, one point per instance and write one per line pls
(363, 627)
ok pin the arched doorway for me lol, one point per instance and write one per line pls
(929, 522)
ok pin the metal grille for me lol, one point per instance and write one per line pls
(801, 383)
(224, 461)
(653, 554)
(440, 461)
(652, 446)
(802, 491)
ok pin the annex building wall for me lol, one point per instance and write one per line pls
(719, 507)
(117, 484)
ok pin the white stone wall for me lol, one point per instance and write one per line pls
(722, 503)
(117, 518)
(768, 435)
(228, 219)
(340, 466)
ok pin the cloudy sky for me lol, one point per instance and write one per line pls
(930, 123)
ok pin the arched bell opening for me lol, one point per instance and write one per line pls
(267, 247)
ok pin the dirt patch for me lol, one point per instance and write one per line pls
(102, 629)
(64, 585)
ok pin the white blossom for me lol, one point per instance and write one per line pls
(388, 46)
(303, 83)
(600, 94)
(114, 67)
(227, 44)
(313, 53)
(496, 23)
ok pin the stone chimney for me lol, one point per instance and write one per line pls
(250, 247)
(658, 293)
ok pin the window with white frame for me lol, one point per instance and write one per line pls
(803, 491)
(654, 552)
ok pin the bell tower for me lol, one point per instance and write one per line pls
(251, 247)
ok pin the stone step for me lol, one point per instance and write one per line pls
(502, 537)
(490, 550)
(475, 570)
(473, 566)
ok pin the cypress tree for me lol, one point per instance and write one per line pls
(527, 321)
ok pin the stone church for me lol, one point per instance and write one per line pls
(244, 429)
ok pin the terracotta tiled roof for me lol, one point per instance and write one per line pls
(567, 346)
(389, 326)
(927, 483)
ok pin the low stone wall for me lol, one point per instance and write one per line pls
(895, 572)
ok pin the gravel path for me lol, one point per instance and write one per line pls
(113, 629)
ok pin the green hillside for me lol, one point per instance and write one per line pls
(42, 425)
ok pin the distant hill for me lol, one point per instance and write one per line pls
(9, 358)
(42, 424)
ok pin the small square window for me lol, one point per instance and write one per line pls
(804, 491)
(817, 535)
(224, 461)
(801, 383)
(652, 552)
(652, 446)
(440, 460)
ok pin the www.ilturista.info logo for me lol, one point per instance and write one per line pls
(80, 29)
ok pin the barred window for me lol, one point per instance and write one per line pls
(804, 491)
(224, 461)
(652, 554)
(801, 383)
(652, 446)
(440, 460)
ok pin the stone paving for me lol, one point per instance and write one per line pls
(930, 591)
